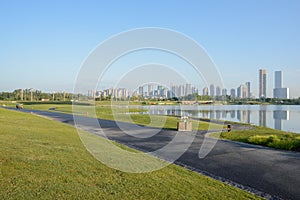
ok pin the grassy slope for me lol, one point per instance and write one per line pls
(45, 159)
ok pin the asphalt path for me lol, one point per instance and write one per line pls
(271, 173)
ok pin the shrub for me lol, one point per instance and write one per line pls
(286, 142)
(262, 139)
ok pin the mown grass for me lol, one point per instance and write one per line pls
(104, 110)
(44, 159)
(266, 137)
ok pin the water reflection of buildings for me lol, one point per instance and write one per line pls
(262, 118)
(243, 116)
(205, 114)
(278, 116)
(240, 115)
(212, 114)
(218, 114)
(232, 114)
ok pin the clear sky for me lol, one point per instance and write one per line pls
(43, 43)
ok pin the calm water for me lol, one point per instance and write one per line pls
(281, 117)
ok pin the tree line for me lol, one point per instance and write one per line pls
(34, 95)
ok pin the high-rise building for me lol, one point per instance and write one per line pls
(278, 91)
(212, 90)
(150, 89)
(160, 90)
(278, 79)
(205, 91)
(218, 91)
(232, 93)
(174, 91)
(188, 89)
(262, 83)
(240, 91)
(181, 91)
(224, 92)
(141, 90)
(248, 93)
(244, 91)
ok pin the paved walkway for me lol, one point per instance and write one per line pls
(270, 171)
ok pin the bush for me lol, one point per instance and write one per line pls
(262, 139)
(286, 142)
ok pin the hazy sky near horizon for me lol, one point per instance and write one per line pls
(44, 43)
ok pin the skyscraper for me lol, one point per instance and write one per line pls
(174, 91)
(262, 83)
(241, 91)
(141, 90)
(150, 89)
(248, 93)
(205, 91)
(212, 90)
(188, 89)
(224, 92)
(232, 93)
(280, 92)
(181, 91)
(278, 79)
(218, 91)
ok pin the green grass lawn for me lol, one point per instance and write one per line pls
(266, 137)
(103, 110)
(44, 159)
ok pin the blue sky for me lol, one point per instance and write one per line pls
(43, 43)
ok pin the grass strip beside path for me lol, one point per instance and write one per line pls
(265, 137)
(103, 110)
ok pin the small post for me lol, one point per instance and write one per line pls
(228, 127)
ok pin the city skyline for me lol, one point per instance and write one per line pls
(243, 91)
(45, 43)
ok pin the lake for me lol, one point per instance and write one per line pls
(281, 117)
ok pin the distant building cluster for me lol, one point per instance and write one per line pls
(243, 91)
(214, 91)
(152, 91)
(147, 91)
(121, 93)
(159, 91)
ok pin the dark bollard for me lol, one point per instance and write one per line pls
(229, 127)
